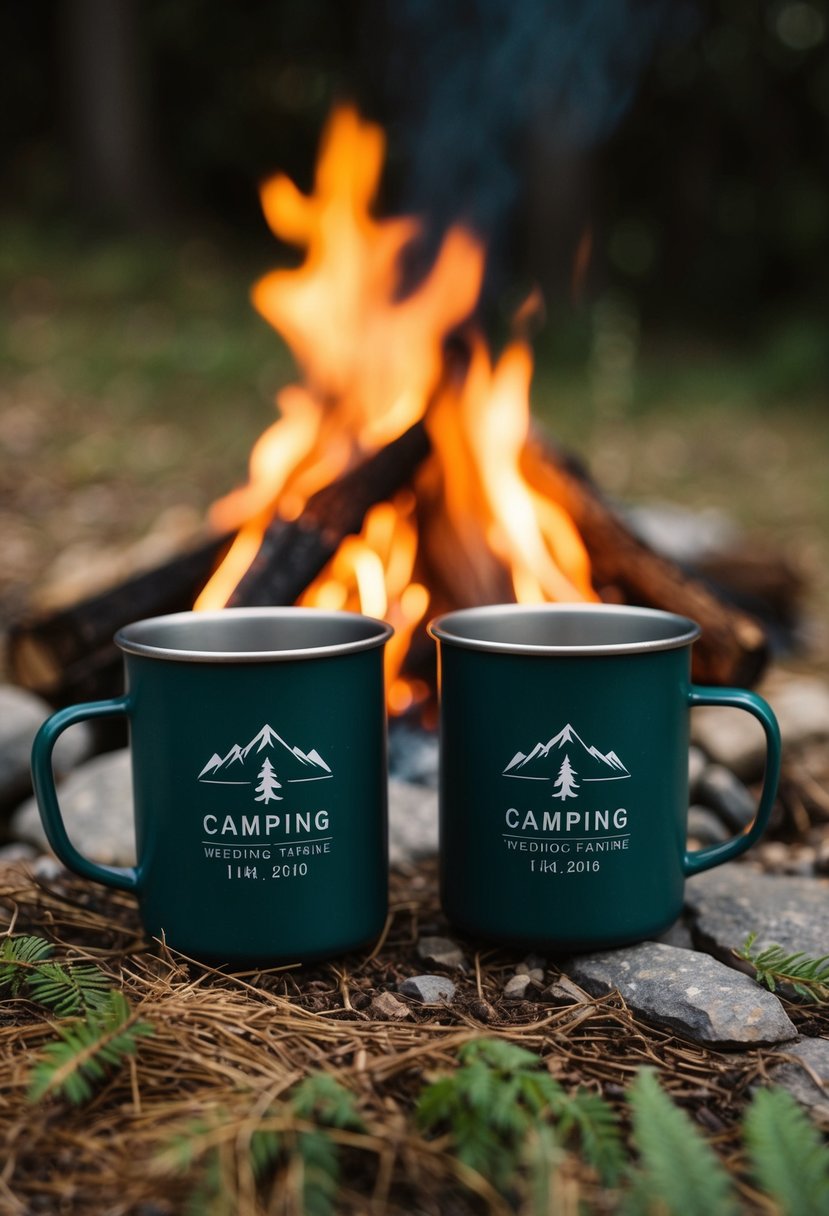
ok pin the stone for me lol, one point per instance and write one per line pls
(21, 716)
(806, 1076)
(96, 800)
(801, 704)
(732, 738)
(413, 822)
(697, 763)
(564, 992)
(724, 793)
(11, 854)
(728, 903)
(517, 987)
(428, 989)
(413, 754)
(690, 993)
(441, 950)
(706, 827)
(386, 1007)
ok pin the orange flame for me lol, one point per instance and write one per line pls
(373, 362)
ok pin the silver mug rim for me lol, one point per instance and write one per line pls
(261, 635)
(606, 629)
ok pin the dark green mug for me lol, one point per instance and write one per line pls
(564, 733)
(258, 743)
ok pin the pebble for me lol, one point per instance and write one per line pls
(428, 989)
(442, 951)
(386, 1007)
(413, 822)
(706, 827)
(724, 793)
(21, 715)
(801, 704)
(697, 763)
(564, 992)
(517, 987)
(17, 852)
(690, 993)
(732, 738)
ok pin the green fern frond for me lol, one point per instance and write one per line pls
(321, 1099)
(598, 1130)
(543, 1157)
(773, 966)
(69, 990)
(789, 1159)
(18, 955)
(679, 1174)
(87, 1051)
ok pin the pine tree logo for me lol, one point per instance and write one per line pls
(565, 782)
(268, 784)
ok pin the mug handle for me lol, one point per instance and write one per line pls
(125, 878)
(739, 698)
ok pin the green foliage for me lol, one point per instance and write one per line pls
(679, 1174)
(808, 977)
(87, 1051)
(292, 1140)
(499, 1098)
(789, 1159)
(26, 969)
(18, 955)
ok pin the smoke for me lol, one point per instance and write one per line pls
(470, 80)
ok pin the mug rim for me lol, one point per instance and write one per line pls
(358, 633)
(609, 624)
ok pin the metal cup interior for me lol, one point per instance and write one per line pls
(250, 635)
(564, 629)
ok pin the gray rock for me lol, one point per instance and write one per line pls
(21, 715)
(801, 704)
(428, 989)
(691, 993)
(564, 992)
(706, 827)
(13, 853)
(720, 790)
(413, 822)
(730, 737)
(413, 754)
(697, 764)
(734, 900)
(441, 950)
(387, 1008)
(96, 800)
(806, 1076)
(517, 987)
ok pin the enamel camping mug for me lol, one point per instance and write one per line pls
(258, 746)
(564, 734)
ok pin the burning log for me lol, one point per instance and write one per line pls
(293, 553)
(69, 655)
(733, 648)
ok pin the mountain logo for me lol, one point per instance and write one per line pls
(267, 762)
(567, 761)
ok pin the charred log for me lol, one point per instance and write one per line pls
(69, 655)
(293, 553)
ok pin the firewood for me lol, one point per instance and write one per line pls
(293, 553)
(733, 648)
(69, 654)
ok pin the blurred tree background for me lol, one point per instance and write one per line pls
(682, 141)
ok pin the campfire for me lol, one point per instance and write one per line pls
(403, 476)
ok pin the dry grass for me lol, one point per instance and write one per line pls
(226, 1049)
